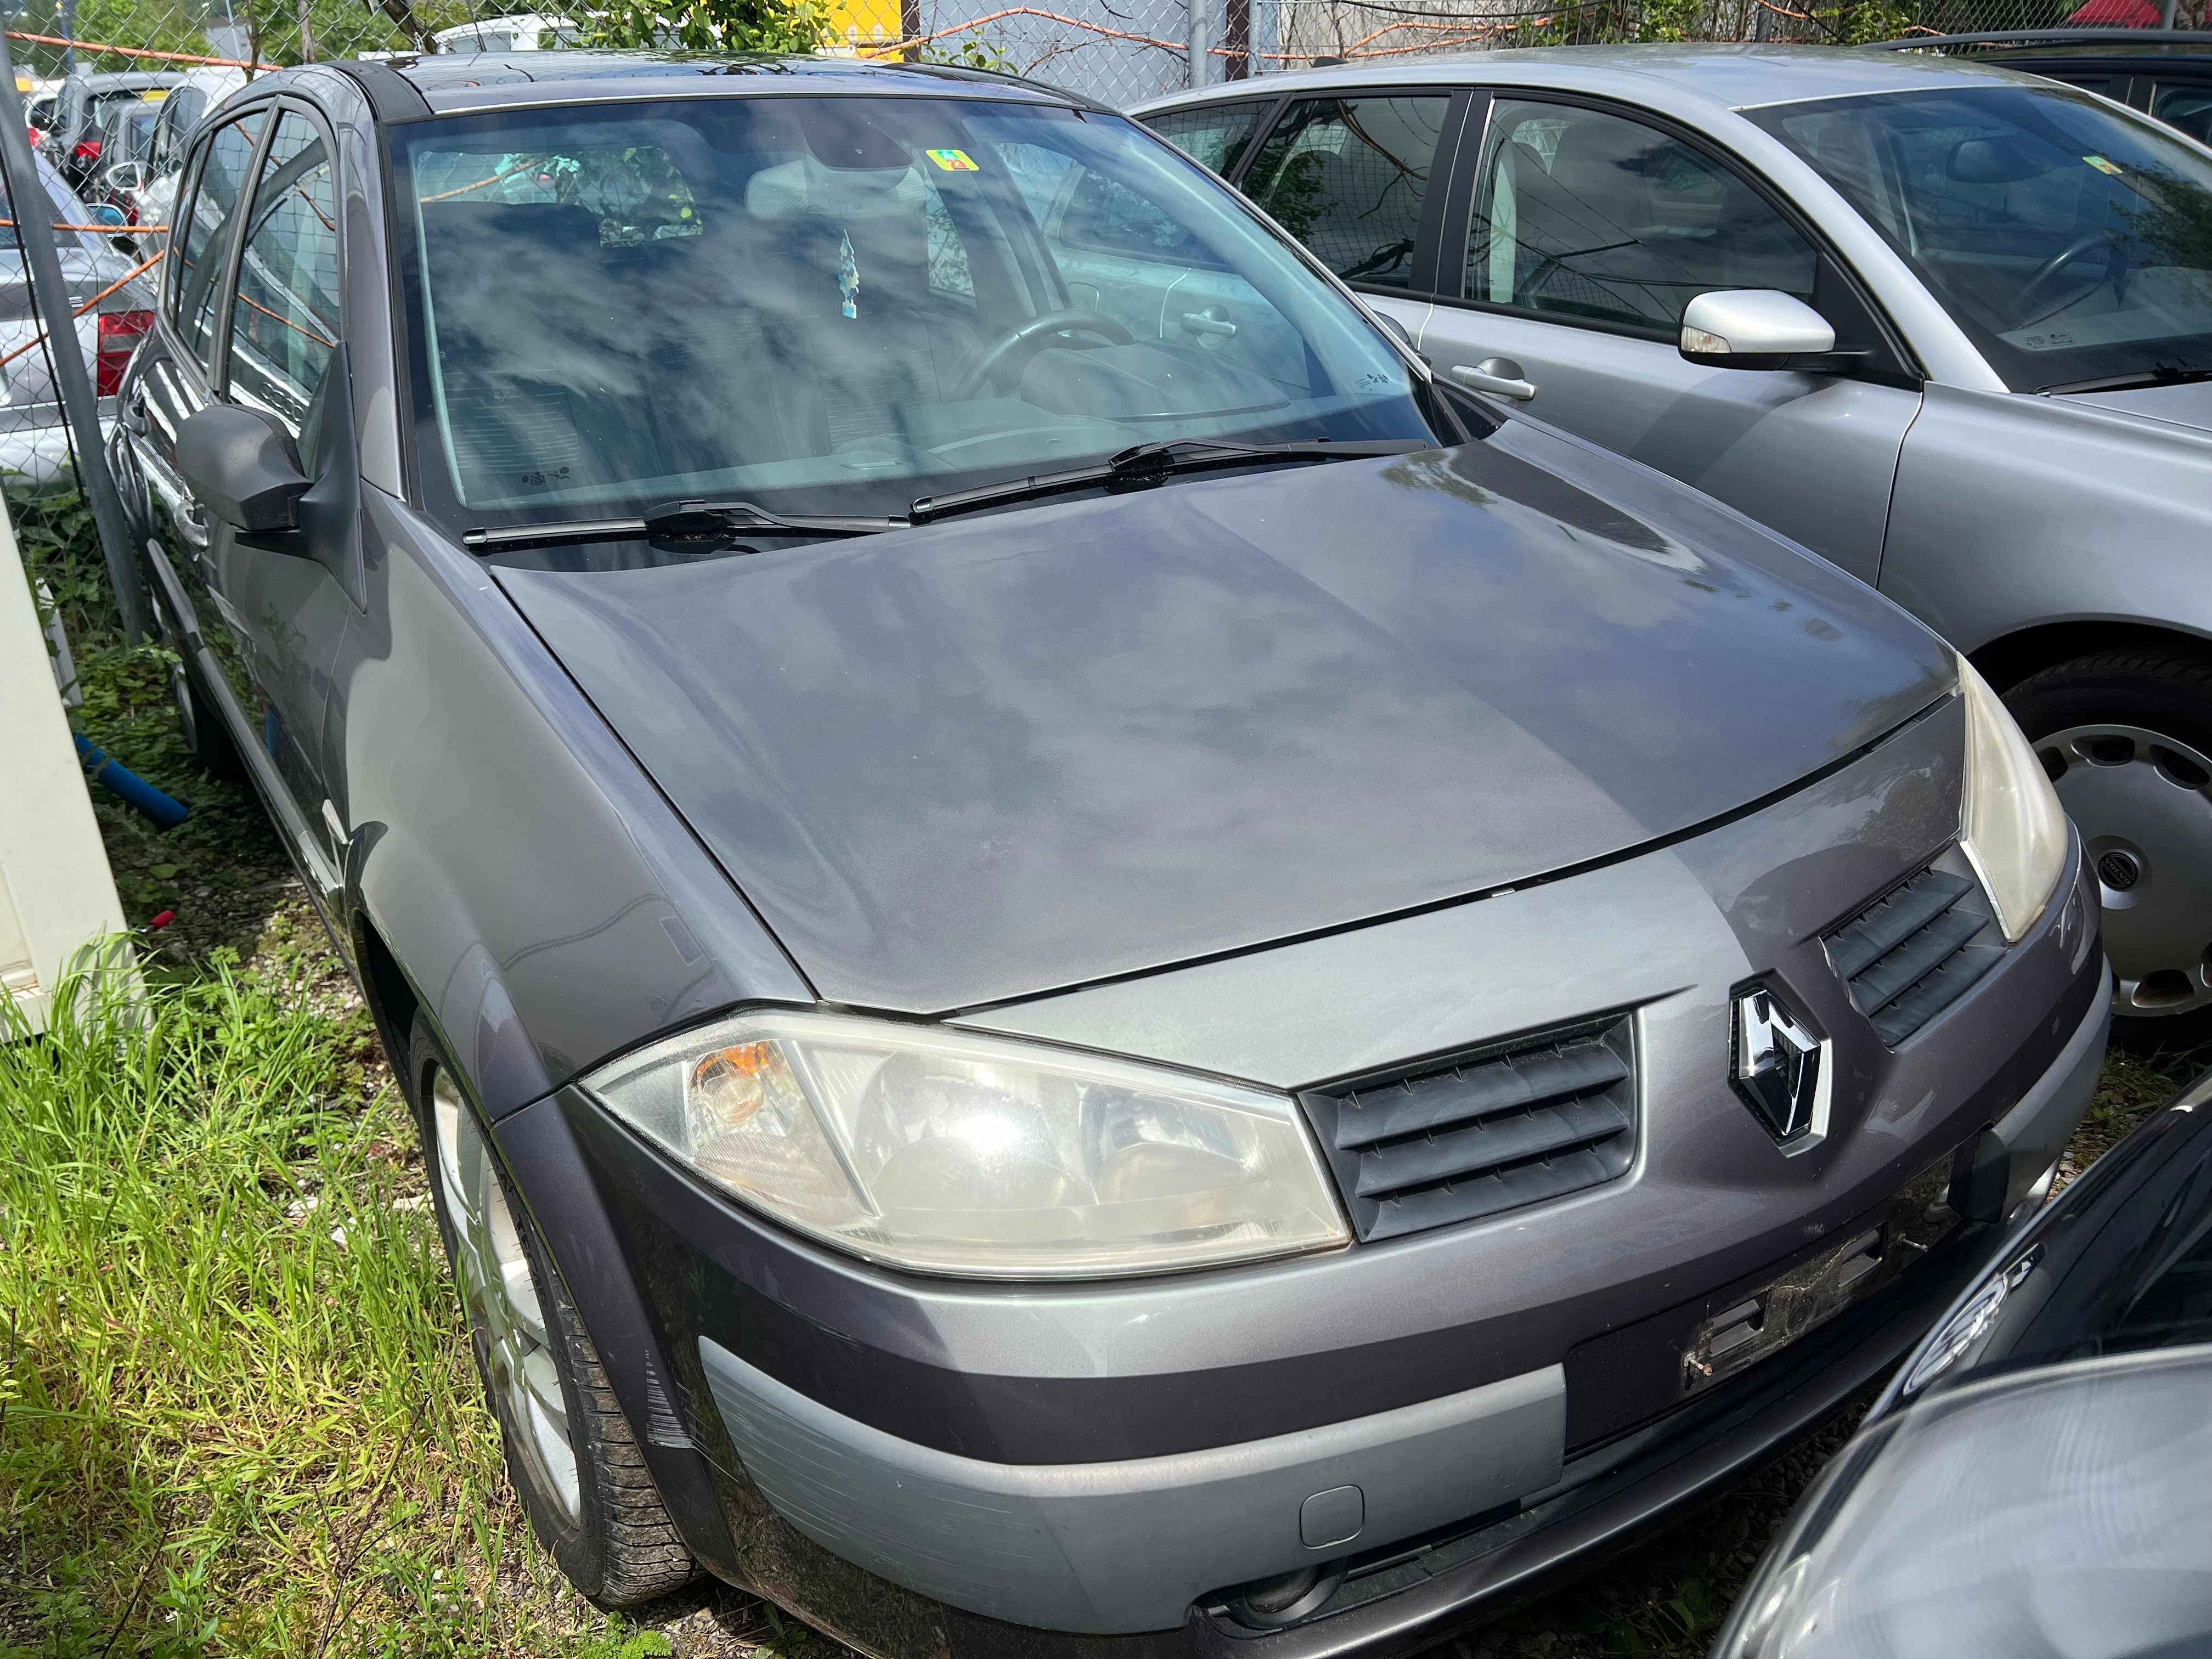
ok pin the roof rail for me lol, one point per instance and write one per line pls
(2055, 37)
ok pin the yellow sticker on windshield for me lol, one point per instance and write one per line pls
(953, 161)
(2102, 165)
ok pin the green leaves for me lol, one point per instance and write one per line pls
(766, 25)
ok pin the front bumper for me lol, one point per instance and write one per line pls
(1469, 1498)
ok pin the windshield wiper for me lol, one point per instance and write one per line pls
(689, 518)
(1149, 462)
(1142, 464)
(2164, 375)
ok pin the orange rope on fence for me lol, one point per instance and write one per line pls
(879, 49)
(1471, 33)
(39, 339)
(138, 52)
(104, 230)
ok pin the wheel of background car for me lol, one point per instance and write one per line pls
(1036, 330)
(571, 1452)
(2056, 266)
(2127, 739)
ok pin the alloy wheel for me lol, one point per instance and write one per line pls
(2144, 804)
(501, 1293)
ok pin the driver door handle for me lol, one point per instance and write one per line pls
(1499, 376)
(1213, 320)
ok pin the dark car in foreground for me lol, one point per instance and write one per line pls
(1080, 978)
(2037, 1478)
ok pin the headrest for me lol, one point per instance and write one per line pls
(806, 189)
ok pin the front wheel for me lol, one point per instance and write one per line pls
(2126, 737)
(569, 1449)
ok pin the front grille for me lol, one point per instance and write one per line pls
(1914, 952)
(1514, 1123)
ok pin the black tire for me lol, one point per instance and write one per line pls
(2127, 737)
(616, 1542)
(207, 739)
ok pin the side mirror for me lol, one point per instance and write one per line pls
(1755, 328)
(243, 468)
(126, 176)
(109, 215)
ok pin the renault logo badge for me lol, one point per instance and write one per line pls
(1780, 1068)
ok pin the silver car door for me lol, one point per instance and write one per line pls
(1589, 233)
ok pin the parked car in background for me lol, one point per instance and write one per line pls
(2038, 1478)
(1080, 978)
(534, 31)
(125, 138)
(74, 141)
(39, 108)
(150, 184)
(1945, 324)
(34, 439)
(2166, 74)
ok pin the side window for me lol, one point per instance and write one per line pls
(1216, 137)
(2185, 108)
(1348, 177)
(222, 169)
(1580, 214)
(284, 325)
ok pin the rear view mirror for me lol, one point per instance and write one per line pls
(1993, 161)
(243, 468)
(1754, 328)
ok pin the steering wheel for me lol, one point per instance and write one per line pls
(1036, 329)
(2059, 262)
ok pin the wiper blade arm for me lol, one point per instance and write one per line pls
(1142, 463)
(2133, 382)
(695, 518)
(676, 519)
(1148, 463)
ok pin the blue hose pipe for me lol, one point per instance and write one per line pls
(167, 811)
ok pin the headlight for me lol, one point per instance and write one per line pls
(2011, 825)
(934, 1150)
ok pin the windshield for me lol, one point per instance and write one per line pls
(838, 305)
(2072, 243)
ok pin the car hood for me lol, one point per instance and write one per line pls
(1011, 753)
(2188, 404)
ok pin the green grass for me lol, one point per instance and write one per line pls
(238, 1410)
(238, 1414)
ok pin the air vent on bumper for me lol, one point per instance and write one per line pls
(1515, 1123)
(1915, 952)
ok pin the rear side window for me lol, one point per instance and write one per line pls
(1348, 177)
(222, 173)
(1216, 137)
(284, 322)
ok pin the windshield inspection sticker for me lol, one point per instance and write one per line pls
(2103, 165)
(849, 275)
(953, 161)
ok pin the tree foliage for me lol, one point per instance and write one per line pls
(798, 26)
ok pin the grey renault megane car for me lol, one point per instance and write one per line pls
(1080, 976)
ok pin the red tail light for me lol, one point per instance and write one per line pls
(87, 150)
(120, 331)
